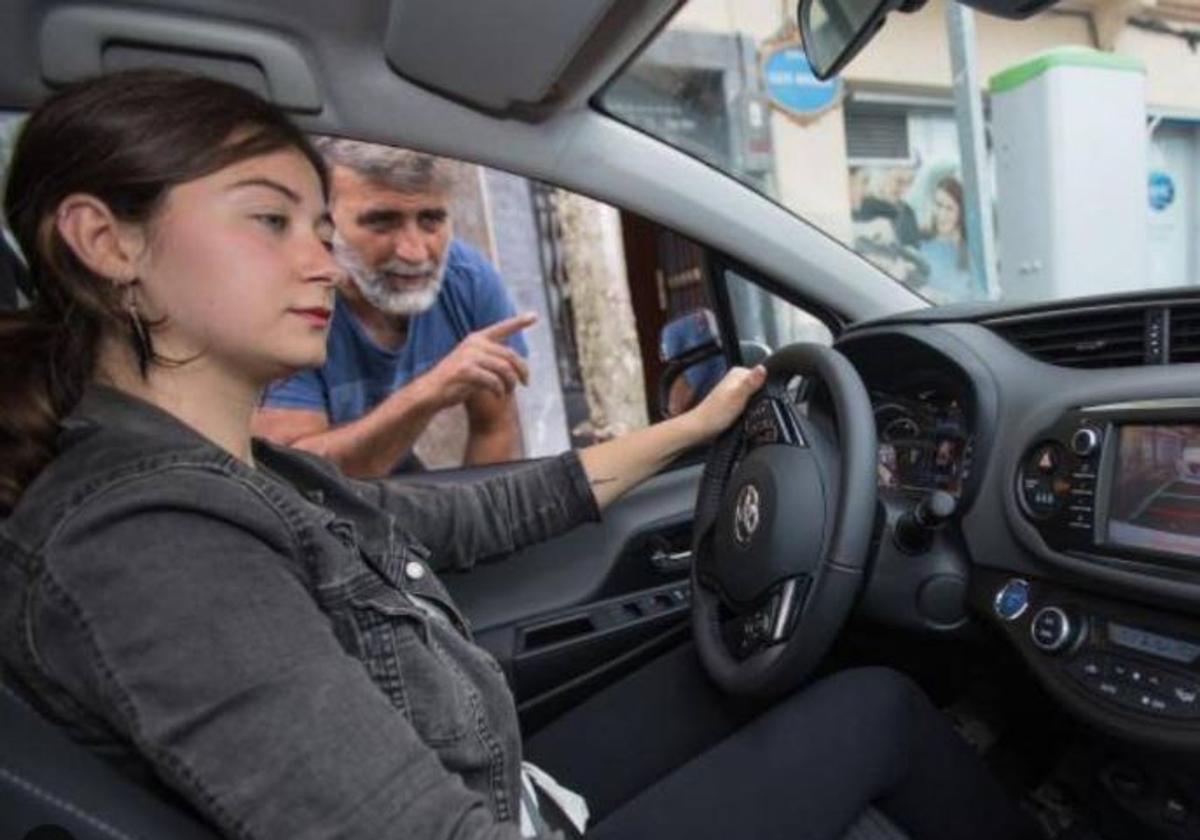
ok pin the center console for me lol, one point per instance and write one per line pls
(1132, 669)
(1118, 485)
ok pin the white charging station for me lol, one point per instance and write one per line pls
(1070, 140)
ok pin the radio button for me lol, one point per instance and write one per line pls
(1052, 629)
(1088, 668)
(1085, 441)
(1184, 696)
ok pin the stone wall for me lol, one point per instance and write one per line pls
(605, 332)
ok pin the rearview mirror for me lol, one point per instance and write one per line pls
(835, 30)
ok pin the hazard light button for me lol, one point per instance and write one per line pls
(1044, 484)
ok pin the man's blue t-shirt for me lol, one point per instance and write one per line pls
(358, 374)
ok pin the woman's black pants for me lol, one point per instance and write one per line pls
(662, 754)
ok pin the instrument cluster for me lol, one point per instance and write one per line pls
(925, 442)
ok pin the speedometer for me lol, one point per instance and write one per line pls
(901, 428)
(894, 422)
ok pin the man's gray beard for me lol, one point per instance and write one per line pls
(376, 288)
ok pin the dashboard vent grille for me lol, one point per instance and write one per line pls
(1185, 333)
(1095, 338)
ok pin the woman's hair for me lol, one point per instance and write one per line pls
(127, 139)
(951, 187)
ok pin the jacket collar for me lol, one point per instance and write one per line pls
(102, 405)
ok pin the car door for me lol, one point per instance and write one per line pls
(568, 616)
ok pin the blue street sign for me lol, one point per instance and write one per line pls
(791, 84)
(1162, 190)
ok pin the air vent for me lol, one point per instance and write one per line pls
(1185, 332)
(1087, 338)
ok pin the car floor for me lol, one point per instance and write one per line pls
(1077, 782)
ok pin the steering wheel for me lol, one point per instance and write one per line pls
(784, 520)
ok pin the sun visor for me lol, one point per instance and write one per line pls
(497, 56)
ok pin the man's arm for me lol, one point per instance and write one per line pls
(372, 445)
(495, 429)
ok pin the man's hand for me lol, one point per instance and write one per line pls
(481, 361)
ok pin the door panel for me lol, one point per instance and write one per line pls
(568, 616)
(580, 566)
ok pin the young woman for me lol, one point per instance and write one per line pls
(270, 639)
(950, 276)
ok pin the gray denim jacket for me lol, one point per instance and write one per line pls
(248, 638)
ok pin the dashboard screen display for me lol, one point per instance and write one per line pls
(1155, 498)
(1144, 641)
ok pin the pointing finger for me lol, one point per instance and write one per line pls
(503, 329)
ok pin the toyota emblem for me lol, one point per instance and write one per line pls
(746, 515)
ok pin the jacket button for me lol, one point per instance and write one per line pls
(414, 570)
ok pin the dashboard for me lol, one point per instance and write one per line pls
(1075, 533)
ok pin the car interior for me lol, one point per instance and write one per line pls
(1023, 574)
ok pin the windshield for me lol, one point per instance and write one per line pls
(970, 158)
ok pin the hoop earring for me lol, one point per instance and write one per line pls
(138, 333)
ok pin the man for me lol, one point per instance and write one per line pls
(899, 182)
(422, 324)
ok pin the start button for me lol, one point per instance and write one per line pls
(1013, 599)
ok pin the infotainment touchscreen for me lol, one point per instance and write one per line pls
(1154, 498)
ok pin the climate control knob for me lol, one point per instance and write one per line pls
(1085, 441)
(1052, 629)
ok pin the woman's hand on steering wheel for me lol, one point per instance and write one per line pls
(725, 403)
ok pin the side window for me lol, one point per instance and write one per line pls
(448, 248)
(10, 121)
(11, 269)
(765, 322)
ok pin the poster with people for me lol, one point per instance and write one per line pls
(909, 220)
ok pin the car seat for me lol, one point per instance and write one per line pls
(47, 780)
